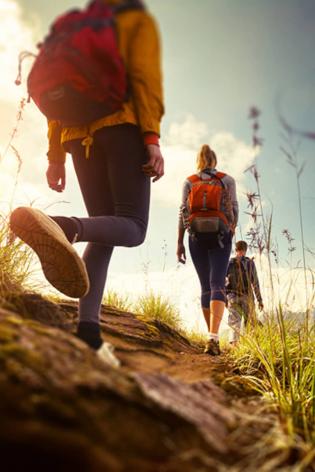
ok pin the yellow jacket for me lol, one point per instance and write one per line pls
(140, 50)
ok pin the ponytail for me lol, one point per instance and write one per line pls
(206, 158)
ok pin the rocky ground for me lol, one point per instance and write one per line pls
(168, 408)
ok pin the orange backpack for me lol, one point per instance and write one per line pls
(205, 203)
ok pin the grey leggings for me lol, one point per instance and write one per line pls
(116, 194)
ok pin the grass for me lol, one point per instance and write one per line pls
(155, 307)
(278, 361)
(15, 263)
(149, 307)
(197, 338)
(116, 300)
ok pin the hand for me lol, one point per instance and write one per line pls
(181, 253)
(233, 228)
(261, 306)
(56, 176)
(155, 165)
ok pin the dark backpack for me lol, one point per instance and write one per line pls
(78, 75)
(238, 277)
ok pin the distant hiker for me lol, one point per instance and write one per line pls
(104, 102)
(242, 284)
(209, 211)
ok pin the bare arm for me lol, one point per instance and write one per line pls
(233, 203)
(181, 251)
(56, 171)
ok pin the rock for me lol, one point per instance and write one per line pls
(62, 409)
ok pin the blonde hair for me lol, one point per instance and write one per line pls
(206, 158)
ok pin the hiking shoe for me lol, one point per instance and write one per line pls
(61, 264)
(106, 354)
(212, 347)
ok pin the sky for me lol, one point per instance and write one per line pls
(220, 57)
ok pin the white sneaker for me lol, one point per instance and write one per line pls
(106, 354)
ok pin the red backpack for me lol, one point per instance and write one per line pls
(206, 204)
(78, 75)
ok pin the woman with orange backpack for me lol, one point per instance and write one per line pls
(98, 80)
(209, 211)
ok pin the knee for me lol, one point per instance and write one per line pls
(138, 236)
(205, 298)
(218, 291)
(138, 241)
(98, 250)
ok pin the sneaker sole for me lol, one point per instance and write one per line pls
(62, 266)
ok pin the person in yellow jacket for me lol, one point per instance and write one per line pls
(114, 158)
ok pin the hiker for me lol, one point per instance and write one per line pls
(114, 146)
(209, 211)
(242, 284)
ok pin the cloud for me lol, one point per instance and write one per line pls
(189, 133)
(180, 148)
(15, 36)
(234, 155)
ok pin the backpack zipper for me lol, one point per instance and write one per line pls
(204, 208)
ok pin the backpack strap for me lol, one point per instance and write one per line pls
(216, 176)
(245, 269)
(220, 175)
(194, 178)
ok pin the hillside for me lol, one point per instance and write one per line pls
(169, 408)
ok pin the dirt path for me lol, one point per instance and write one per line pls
(257, 436)
(155, 348)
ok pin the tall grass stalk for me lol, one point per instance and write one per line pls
(292, 155)
(254, 114)
(17, 175)
(14, 132)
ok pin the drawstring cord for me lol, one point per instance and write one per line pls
(22, 56)
(87, 143)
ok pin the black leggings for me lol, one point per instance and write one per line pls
(211, 263)
(116, 194)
